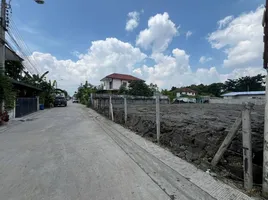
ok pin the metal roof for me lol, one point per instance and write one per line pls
(244, 93)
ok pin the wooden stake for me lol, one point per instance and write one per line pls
(247, 146)
(227, 141)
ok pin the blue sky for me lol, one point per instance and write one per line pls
(60, 28)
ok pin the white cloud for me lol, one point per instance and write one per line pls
(204, 59)
(133, 21)
(167, 68)
(188, 34)
(222, 23)
(103, 57)
(159, 33)
(240, 38)
(175, 70)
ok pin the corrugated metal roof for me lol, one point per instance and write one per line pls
(244, 93)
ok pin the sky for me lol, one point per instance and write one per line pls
(165, 42)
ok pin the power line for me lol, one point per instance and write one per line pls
(19, 43)
(32, 70)
(25, 46)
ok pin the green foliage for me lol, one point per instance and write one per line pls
(123, 90)
(14, 69)
(171, 94)
(140, 88)
(7, 94)
(49, 91)
(84, 92)
(247, 83)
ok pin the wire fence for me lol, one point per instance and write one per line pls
(182, 124)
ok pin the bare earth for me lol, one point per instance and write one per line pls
(194, 132)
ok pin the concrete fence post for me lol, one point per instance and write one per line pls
(247, 145)
(91, 99)
(125, 109)
(157, 118)
(111, 108)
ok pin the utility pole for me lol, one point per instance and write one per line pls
(265, 142)
(2, 43)
(2, 36)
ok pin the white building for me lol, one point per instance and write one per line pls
(114, 81)
(245, 95)
(186, 91)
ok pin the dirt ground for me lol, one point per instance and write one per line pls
(194, 132)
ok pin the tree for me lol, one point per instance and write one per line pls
(84, 92)
(153, 87)
(171, 94)
(247, 83)
(14, 69)
(139, 88)
(123, 90)
(7, 93)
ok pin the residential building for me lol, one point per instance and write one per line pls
(115, 81)
(185, 92)
(245, 95)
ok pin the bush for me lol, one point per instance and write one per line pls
(7, 94)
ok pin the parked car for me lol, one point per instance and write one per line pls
(75, 101)
(60, 101)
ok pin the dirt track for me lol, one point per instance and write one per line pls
(194, 132)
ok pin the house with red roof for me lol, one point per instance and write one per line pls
(115, 81)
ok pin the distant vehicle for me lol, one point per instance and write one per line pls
(60, 101)
(75, 100)
(184, 100)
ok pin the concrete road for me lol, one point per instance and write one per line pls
(68, 154)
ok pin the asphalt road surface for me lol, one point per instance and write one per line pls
(67, 153)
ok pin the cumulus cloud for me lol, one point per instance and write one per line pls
(240, 38)
(159, 33)
(175, 70)
(133, 21)
(103, 57)
(204, 59)
(222, 23)
(188, 34)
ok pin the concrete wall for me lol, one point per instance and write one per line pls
(12, 113)
(245, 97)
(116, 84)
(237, 101)
(103, 100)
(106, 85)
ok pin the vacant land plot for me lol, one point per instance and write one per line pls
(194, 132)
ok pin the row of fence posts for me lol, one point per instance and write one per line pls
(111, 112)
(243, 119)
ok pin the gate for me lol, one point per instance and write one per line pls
(25, 106)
